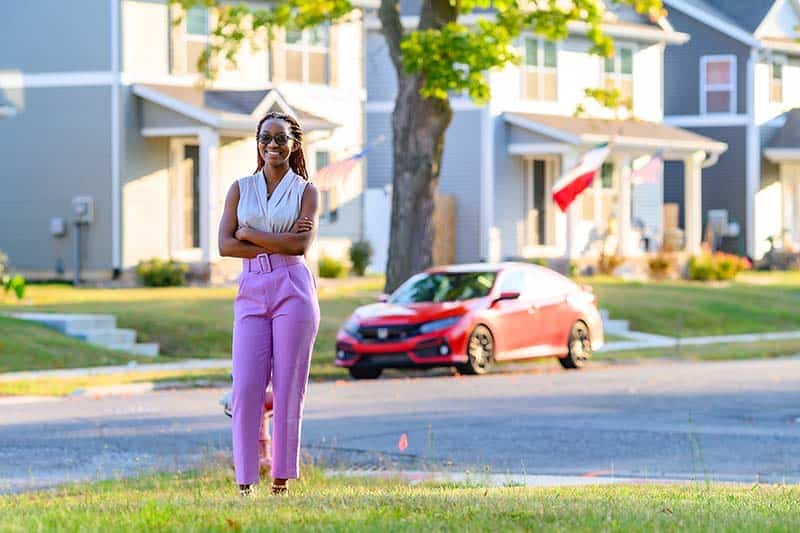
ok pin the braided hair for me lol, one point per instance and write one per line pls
(297, 161)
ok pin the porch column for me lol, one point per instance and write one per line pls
(209, 183)
(693, 201)
(622, 169)
(569, 160)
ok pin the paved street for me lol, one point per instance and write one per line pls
(727, 421)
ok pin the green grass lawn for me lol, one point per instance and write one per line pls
(205, 500)
(187, 322)
(756, 302)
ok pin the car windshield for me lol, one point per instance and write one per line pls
(444, 287)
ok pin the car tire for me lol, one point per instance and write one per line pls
(480, 352)
(579, 347)
(365, 372)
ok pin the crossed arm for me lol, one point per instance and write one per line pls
(241, 241)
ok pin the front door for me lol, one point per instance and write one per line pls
(790, 176)
(515, 319)
(185, 200)
(535, 204)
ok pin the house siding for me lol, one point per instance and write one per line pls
(682, 65)
(55, 148)
(54, 36)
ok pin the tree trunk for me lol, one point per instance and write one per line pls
(418, 127)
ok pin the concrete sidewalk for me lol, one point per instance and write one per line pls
(188, 364)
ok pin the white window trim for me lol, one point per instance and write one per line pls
(617, 75)
(732, 86)
(783, 61)
(539, 68)
(176, 214)
(304, 47)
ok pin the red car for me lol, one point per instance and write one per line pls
(470, 316)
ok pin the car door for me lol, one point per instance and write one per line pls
(513, 317)
(548, 299)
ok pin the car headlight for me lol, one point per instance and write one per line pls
(351, 326)
(436, 325)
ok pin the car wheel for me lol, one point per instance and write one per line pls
(365, 372)
(480, 352)
(579, 347)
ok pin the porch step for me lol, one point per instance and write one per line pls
(616, 326)
(99, 330)
(107, 337)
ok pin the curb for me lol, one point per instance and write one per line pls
(146, 386)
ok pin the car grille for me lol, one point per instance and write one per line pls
(392, 333)
(387, 359)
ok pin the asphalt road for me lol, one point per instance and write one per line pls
(735, 421)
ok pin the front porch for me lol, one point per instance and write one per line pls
(210, 139)
(616, 215)
(780, 218)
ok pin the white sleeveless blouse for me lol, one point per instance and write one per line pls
(276, 215)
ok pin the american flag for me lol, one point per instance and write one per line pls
(329, 176)
(649, 171)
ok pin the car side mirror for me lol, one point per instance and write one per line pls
(383, 298)
(508, 295)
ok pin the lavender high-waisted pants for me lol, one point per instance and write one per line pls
(276, 318)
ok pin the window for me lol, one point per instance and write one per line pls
(607, 175)
(539, 70)
(618, 72)
(444, 287)
(188, 41)
(307, 55)
(717, 84)
(776, 79)
(513, 281)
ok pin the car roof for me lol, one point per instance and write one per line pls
(477, 267)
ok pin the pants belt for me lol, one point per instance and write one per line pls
(269, 262)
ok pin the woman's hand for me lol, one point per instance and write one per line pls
(302, 224)
(241, 233)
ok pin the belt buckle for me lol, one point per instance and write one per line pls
(263, 261)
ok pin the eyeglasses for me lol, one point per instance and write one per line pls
(281, 139)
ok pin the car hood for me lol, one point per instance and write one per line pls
(387, 313)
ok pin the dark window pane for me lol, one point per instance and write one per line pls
(550, 54)
(531, 51)
(607, 175)
(444, 287)
(626, 61)
(718, 102)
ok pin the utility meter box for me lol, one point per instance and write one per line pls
(83, 209)
(58, 227)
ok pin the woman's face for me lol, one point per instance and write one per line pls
(275, 143)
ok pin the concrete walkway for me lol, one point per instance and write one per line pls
(642, 341)
(188, 364)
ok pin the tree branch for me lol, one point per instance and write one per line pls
(389, 14)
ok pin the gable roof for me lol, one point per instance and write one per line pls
(575, 130)
(226, 109)
(789, 134)
(720, 15)
(747, 14)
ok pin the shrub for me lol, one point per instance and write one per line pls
(14, 283)
(331, 268)
(572, 269)
(360, 254)
(660, 266)
(719, 266)
(607, 264)
(159, 273)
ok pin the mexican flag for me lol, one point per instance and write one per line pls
(577, 179)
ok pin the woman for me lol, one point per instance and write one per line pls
(269, 222)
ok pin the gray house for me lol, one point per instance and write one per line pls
(102, 110)
(738, 81)
(501, 160)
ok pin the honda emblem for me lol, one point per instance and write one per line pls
(383, 333)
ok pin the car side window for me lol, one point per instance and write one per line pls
(513, 281)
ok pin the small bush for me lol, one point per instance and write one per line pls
(331, 268)
(159, 273)
(360, 254)
(15, 283)
(660, 266)
(607, 264)
(541, 261)
(719, 266)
